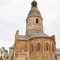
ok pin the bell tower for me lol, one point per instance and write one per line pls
(34, 21)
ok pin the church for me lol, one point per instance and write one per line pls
(35, 45)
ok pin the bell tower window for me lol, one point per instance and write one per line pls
(37, 20)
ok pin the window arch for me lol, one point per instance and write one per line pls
(47, 47)
(33, 5)
(38, 46)
(52, 47)
(26, 47)
(44, 48)
(32, 47)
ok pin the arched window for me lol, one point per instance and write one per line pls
(25, 47)
(32, 47)
(38, 46)
(47, 47)
(52, 47)
(37, 20)
(33, 5)
(44, 48)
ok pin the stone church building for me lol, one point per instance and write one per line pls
(35, 45)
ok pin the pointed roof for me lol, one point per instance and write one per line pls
(34, 12)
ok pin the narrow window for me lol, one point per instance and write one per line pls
(1, 56)
(33, 5)
(4, 56)
(44, 48)
(1, 52)
(32, 47)
(56, 57)
(52, 48)
(38, 46)
(25, 47)
(47, 47)
(36, 20)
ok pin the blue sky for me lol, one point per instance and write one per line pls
(13, 14)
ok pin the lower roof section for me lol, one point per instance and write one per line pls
(41, 34)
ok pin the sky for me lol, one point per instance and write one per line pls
(13, 14)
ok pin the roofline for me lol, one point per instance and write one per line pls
(33, 38)
(57, 54)
(34, 16)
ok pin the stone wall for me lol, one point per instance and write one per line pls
(32, 27)
(24, 46)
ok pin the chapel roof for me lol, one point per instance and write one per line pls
(41, 34)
